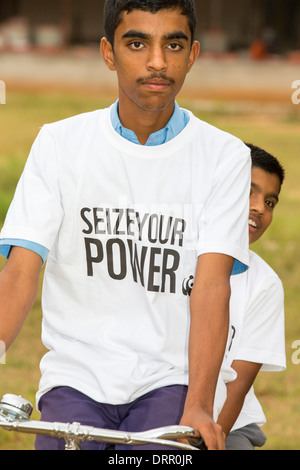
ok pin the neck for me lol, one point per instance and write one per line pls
(143, 122)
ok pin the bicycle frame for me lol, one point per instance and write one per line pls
(15, 413)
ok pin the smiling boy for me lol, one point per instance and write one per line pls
(128, 348)
(257, 314)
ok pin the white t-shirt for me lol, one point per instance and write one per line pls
(124, 225)
(257, 332)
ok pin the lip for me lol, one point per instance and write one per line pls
(156, 84)
(257, 222)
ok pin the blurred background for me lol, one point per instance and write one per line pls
(246, 81)
(246, 46)
(231, 26)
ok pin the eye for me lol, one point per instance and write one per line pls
(270, 203)
(136, 45)
(174, 46)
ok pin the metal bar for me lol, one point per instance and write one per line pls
(76, 433)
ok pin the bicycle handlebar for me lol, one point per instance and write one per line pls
(11, 419)
(75, 433)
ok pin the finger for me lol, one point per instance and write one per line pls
(222, 441)
(214, 437)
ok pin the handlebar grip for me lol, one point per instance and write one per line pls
(199, 444)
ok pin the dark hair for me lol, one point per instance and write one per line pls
(266, 161)
(114, 9)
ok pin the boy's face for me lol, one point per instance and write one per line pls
(265, 188)
(152, 54)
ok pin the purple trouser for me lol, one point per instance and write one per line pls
(161, 407)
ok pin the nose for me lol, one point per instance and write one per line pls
(156, 59)
(257, 204)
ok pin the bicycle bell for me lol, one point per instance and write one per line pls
(15, 408)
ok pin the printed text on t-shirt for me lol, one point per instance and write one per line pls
(128, 241)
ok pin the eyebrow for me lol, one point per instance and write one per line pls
(258, 188)
(176, 35)
(133, 33)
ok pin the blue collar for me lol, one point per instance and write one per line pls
(177, 123)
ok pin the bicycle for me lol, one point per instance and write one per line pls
(15, 412)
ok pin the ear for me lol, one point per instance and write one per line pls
(107, 53)
(195, 50)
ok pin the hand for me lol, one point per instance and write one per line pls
(204, 427)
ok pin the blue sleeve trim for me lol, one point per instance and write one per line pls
(238, 268)
(7, 243)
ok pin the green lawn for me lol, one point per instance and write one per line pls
(20, 120)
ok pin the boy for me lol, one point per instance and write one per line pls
(257, 339)
(130, 203)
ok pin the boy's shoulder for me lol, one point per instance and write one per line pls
(77, 120)
(258, 279)
(261, 278)
(219, 139)
(259, 267)
(80, 117)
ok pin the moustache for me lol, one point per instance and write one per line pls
(156, 76)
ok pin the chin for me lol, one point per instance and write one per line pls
(156, 102)
(154, 106)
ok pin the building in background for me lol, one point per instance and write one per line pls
(262, 27)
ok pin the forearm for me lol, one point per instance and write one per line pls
(232, 408)
(18, 290)
(236, 393)
(208, 336)
(207, 342)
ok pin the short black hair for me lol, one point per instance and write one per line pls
(114, 9)
(267, 162)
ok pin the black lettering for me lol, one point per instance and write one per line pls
(169, 271)
(141, 224)
(129, 221)
(111, 258)
(98, 220)
(232, 336)
(108, 223)
(88, 223)
(168, 229)
(179, 228)
(153, 228)
(93, 259)
(116, 229)
(153, 269)
(136, 263)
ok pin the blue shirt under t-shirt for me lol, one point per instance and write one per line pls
(176, 124)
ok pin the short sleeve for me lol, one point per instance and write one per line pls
(263, 336)
(36, 212)
(226, 211)
(7, 244)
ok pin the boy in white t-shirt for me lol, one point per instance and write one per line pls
(256, 339)
(131, 205)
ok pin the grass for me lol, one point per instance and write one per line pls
(20, 120)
